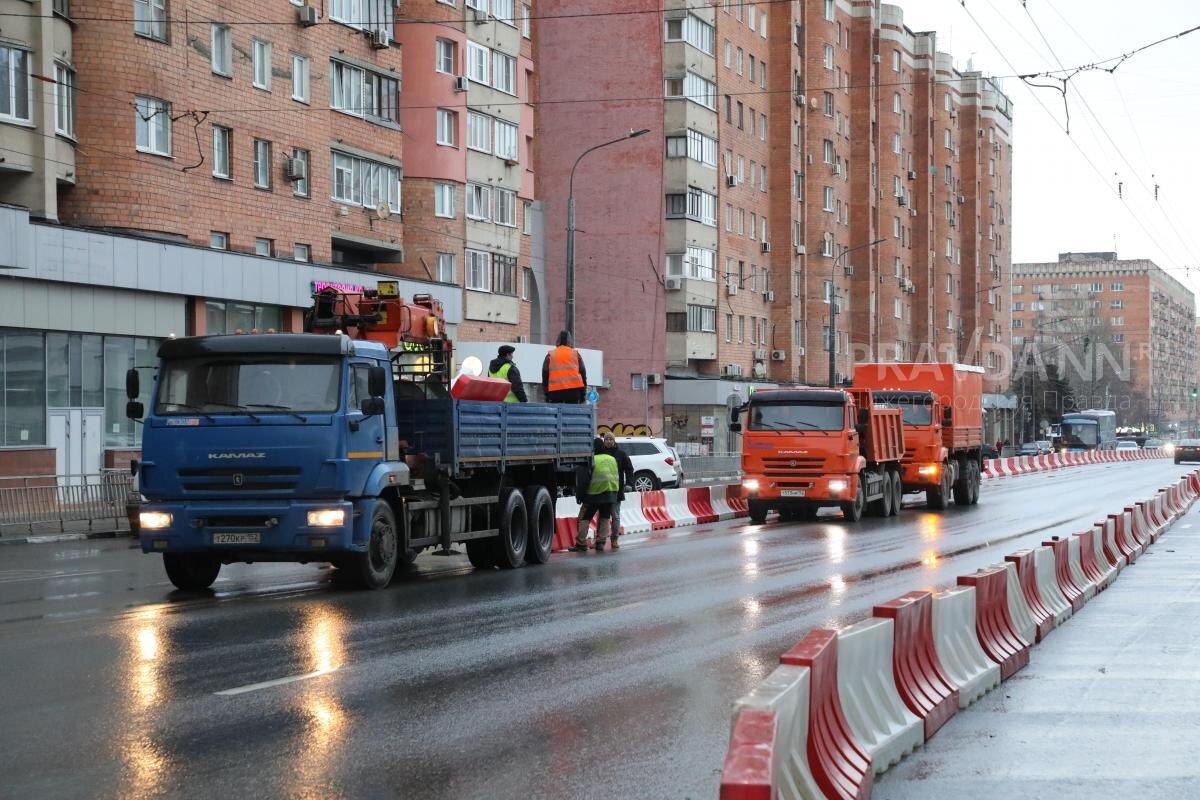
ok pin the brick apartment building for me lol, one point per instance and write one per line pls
(188, 169)
(1123, 331)
(803, 152)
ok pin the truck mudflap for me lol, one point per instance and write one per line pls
(240, 531)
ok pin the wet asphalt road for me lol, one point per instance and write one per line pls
(607, 676)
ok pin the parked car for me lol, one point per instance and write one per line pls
(655, 464)
(1125, 445)
(989, 451)
(1187, 450)
(1153, 443)
(1030, 449)
(1045, 446)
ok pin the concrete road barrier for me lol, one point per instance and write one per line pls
(1047, 584)
(968, 667)
(922, 683)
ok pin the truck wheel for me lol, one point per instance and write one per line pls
(758, 512)
(976, 482)
(897, 494)
(883, 506)
(191, 571)
(540, 508)
(853, 510)
(937, 499)
(962, 486)
(481, 553)
(510, 545)
(374, 568)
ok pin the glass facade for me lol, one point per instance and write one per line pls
(231, 317)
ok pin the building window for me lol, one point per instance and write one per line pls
(1116, 322)
(479, 271)
(64, 100)
(694, 31)
(150, 18)
(153, 125)
(702, 206)
(1117, 304)
(506, 140)
(264, 247)
(222, 50)
(829, 10)
(364, 182)
(261, 61)
(504, 73)
(222, 141)
(14, 85)
(897, 309)
(479, 132)
(526, 217)
(829, 104)
(445, 267)
(364, 15)
(362, 93)
(444, 200)
(218, 240)
(504, 275)
(827, 58)
(1116, 287)
(702, 264)
(827, 199)
(262, 164)
(301, 160)
(479, 61)
(505, 11)
(447, 127)
(506, 207)
(701, 319)
(699, 90)
(702, 148)
(300, 79)
(301, 252)
(222, 317)
(526, 16)
(444, 56)
(895, 61)
(827, 151)
(479, 202)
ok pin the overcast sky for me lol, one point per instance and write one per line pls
(1148, 107)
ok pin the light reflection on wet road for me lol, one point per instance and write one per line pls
(596, 676)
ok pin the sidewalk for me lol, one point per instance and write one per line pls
(1107, 708)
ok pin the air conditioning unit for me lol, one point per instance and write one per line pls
(674, 284)
(953, 114)
(479, 15)
(760, 354)
(951, 222)
(779, 355)
(731, 371)
(877, 58)
(294, 169)
(460, 83)
(912, 212)
(765, 247)
(800, 249)
(800, 350)
(800, 100)
(996, 147)
(760, 370)
(808, 159)
(902, 200)
(837, 169)
(653, 378)
(380, 38)
(731, 180)
(961, 200)
(770, 295)
(912, 174)
(732, 288)
(309, 16)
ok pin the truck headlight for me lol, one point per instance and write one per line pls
(750, 485)
(327, 518)
(838, 485)
(929, 469)
(154, 520)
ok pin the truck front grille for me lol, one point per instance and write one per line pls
(793, 467)
(238, 479)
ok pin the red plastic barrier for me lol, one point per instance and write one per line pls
(470, 387)
(1125, 551)
(1062, 571)
(1023, 559)
(1136, 531)
(747, 772)
(838, 763)
(922, 683)
(1087, 559)
(997, 636)
(700, 505)
(1149, 533)
(654, 509)
(565, 531)
(735, 496)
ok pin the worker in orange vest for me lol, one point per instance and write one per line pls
(563, 374)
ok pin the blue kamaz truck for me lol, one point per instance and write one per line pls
(343, 445)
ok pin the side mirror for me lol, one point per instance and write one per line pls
(947, 416)
(735, 427)
(134, 409)
(371, 406)
(133, 384)
(377, 382)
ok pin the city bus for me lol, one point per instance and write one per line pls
(1094, 429)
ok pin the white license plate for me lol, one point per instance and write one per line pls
(237, 538)
(791, 493)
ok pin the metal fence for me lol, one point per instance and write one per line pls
(705, 469)
(41, 503)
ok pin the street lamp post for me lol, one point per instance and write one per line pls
(833, 307)
(570, 322)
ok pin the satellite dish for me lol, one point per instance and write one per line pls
(383, 210)
(471, 365)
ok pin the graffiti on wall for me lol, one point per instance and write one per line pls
(624, 429)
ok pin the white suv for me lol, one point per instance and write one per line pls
(655, 465)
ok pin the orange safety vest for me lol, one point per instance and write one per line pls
(564, 369)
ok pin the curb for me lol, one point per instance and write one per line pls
(53, 538)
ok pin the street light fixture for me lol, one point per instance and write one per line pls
(570, 322)
(833, 306)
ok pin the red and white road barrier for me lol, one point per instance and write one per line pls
(1011, 466)
(845, 705)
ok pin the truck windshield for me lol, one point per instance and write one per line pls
(249, 384)
(1080, 434)
(797, 417)
(916, 409)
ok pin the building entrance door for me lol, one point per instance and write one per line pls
(76, 434)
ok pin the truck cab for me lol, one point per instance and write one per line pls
(806, 448)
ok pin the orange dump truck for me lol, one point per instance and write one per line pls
(804, 449)
(942, 406)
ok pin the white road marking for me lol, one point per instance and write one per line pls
(55, 576)
(254, 687)
(625, 607)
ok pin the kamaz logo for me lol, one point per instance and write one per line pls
(232, 456)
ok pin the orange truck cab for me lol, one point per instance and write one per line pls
(805, 448)
(942, 407)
